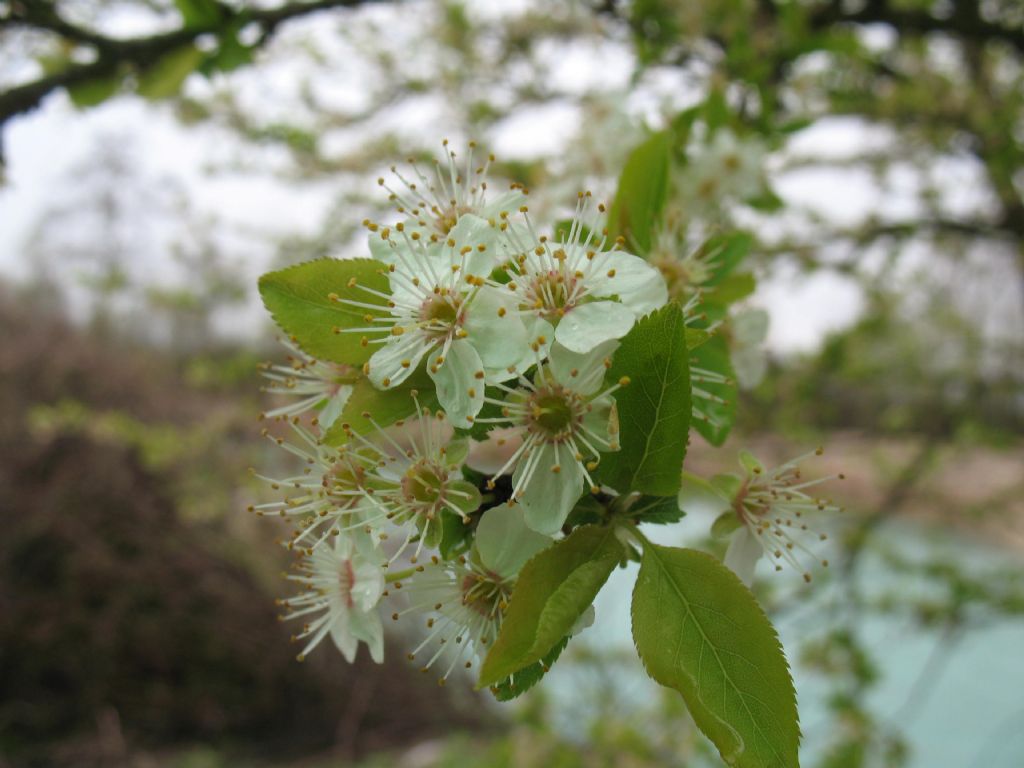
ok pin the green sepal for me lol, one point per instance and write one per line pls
(456, 536)
(725, 524)
(464, 496)
(727, 485)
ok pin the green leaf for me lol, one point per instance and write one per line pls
(163, 79)
(198, 13)
(641, 194)
(231, 54)
(299, 299)
(768, 202)
(659, 510)
(714, 416)
(716, 110)
(92, 92)
(727, 251)
(384, 407)
(700, 631)
(523, 680)
(552, 591)
(654, 408)
(732, 288)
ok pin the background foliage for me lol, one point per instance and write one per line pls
(891, 133)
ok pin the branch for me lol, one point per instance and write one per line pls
(964, 23)
(115, 54)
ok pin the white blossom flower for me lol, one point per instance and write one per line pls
(319, 385)
(684, 256)
(329, 496)
(565, 421)
(465, 599)
(433, 204)
(726, 168)
(440, 309)
(343, 583)
(575, 291)
(773, 514)
(416, 480)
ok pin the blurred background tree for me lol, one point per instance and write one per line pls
(890, 247)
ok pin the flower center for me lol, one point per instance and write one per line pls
(485, 595)
(346, 581)
(346, 480)
(552, 292)
(424, 485)
(553, 410)
(446, 219)
(440, 312)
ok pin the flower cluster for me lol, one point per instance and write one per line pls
(456, 446)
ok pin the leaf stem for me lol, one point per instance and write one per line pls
(634, 530)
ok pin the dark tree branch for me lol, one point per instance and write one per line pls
(114, 55)
(964, 23)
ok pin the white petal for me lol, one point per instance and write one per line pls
(368, 584)
(381, 249)
(602, 424)
(472, 232)
(749, 364)
(334, 406)
(459, 391)
(343, 638)
(368, 628)
(750, 326)
(583, 373)
(637, 284)
(492, 454)
(499, 338)
(743, 553)
(505, 542)
(509, 202)
(586, 326)
(548, 497)
(585, 621)
(386, 362)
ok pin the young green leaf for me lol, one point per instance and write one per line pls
(163, 79)
(700, 631)
(640, 197)
(519, 683)
(300, 300)
(654, 409)
(92, 92)
(552, 591)
(199, 13)
(658, 510)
